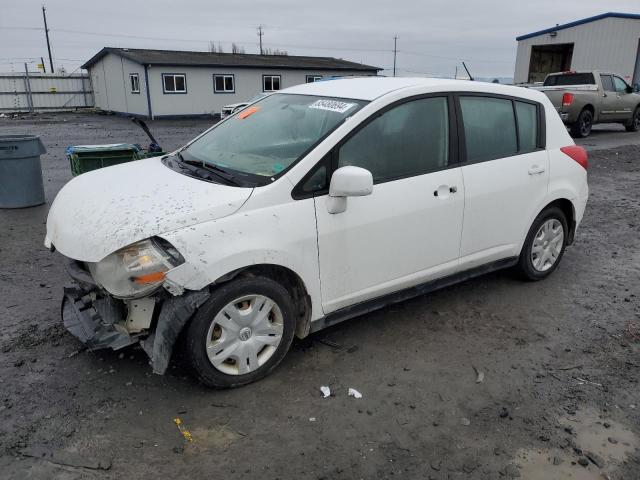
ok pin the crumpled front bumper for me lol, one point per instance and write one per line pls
(99, 321)
(94, 319)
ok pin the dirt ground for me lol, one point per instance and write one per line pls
(559, 360)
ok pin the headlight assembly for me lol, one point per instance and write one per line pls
(136, 270)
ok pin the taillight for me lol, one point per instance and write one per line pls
(578, 154)
(567, 99)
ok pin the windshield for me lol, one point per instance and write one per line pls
(269, 136)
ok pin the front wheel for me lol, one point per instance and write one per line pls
(544, 245)
(582, 128)
(634, 122)
(241, 333)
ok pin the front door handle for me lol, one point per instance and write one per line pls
(536, 170)
(444, 190)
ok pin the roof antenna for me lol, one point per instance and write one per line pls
(465, 67)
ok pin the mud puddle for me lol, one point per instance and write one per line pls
(596, 446)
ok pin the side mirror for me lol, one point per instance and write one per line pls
(348, 182)
(636, 87)
(629, 90)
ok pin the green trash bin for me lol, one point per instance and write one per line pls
(85, 158)
(21, 171)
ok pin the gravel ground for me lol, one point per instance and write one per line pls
(559, 396)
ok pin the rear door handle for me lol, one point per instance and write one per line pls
(536, 170)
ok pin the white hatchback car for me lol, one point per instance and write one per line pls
(316, 204)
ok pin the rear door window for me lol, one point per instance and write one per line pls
(607, 83)
(489, 128)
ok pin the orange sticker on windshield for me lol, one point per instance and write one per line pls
(248, 111)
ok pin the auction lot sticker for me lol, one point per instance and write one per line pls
(332, 105)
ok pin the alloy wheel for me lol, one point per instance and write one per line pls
(244, 334)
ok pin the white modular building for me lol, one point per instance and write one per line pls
(169, 83)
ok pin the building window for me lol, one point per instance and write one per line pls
(270, 83)
(224, 84)
(313, 78)
(174, 83)
(134, 79)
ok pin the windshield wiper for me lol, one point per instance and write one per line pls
(210, 167)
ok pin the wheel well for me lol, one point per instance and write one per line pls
(590, 108)
(289, 280)
(569, 212)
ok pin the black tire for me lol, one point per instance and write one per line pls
(582, 127)
(634, 123)
(195, 342)
(525, 262)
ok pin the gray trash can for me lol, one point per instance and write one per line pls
(21, 171)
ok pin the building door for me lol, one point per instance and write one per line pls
(546, 59)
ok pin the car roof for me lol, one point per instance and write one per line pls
(370, 88)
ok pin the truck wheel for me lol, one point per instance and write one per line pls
(634, 123)
(582, 128)
(241, 333)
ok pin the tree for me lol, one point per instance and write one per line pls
(213, 48)
(236, 49)
(275, 51)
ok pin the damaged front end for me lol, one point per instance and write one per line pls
(101, 320)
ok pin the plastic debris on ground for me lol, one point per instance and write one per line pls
(354, 393)
(479, 375)
(326, 391)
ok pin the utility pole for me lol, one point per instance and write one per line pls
(395, 52)
(46, 32)
(44, 67)
(260, 34)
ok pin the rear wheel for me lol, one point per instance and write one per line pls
(241, 333)
(582, 127)
(544, 245)
(634, 124)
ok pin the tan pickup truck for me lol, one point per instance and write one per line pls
(585, 98)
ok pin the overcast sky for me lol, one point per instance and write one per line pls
(433, 36)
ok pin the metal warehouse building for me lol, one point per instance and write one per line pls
(609, 42)
(166, 83)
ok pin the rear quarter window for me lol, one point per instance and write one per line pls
(527, 115)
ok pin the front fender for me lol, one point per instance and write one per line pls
(283, 235)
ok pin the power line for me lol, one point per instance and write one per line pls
(281, 45)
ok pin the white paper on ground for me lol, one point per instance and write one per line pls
(326, 391)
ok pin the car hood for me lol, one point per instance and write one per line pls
(104, 210)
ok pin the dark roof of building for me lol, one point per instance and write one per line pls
(243, 60)
(579, 22)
